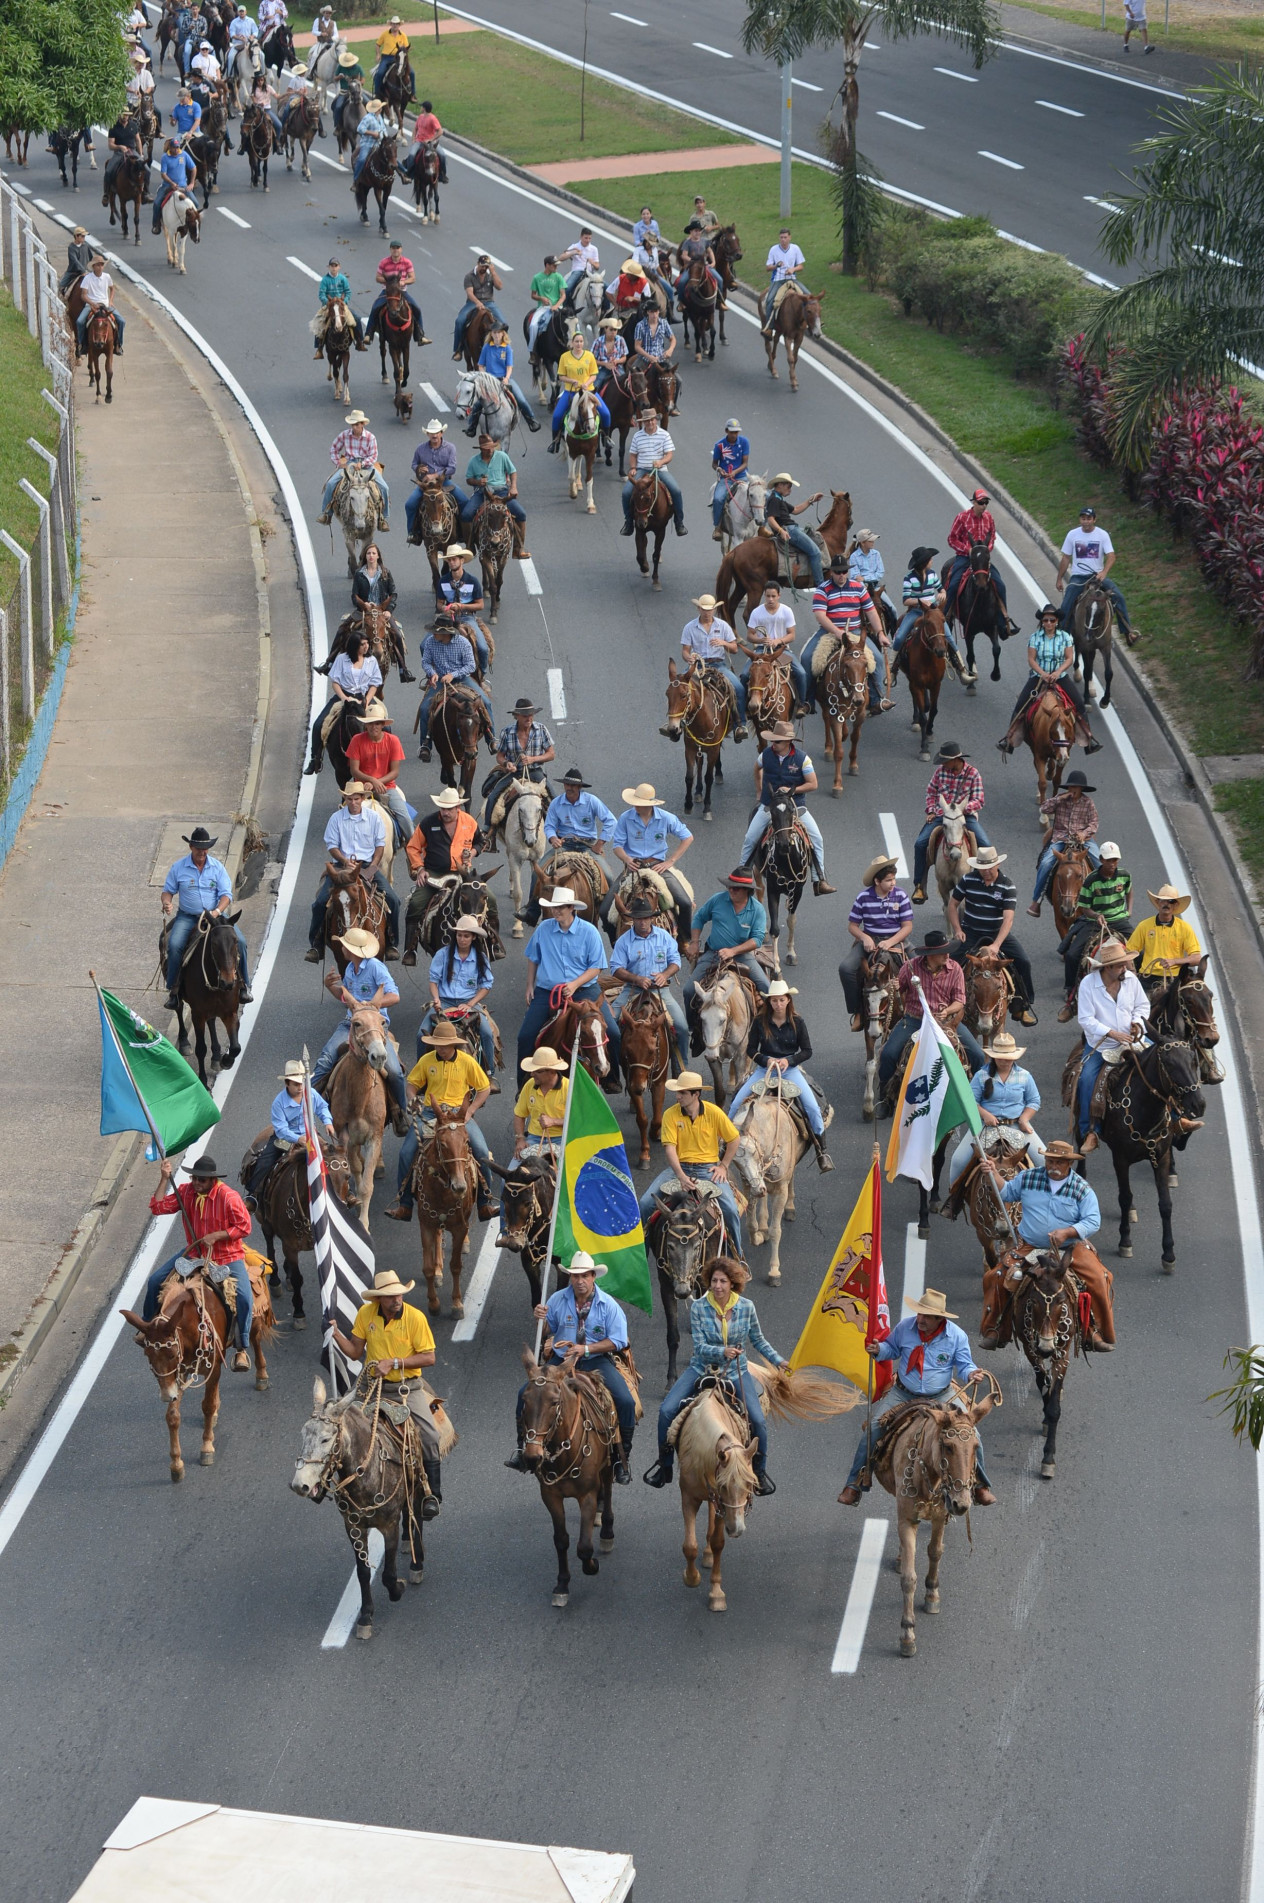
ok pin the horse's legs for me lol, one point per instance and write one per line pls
(256, 1343)
(637, 1093)
(690, 763)
(1053, 1414)
(364, 1623)
(716, 1602)
(432, 1264)
(667, 1289)
(390, 1575)
(689, 1507)
(210, 1413)
(1163, 1184)
(557, 1511)
(938, 1527)
(1108, 674)
(607, 1511)
(587, 1520)
(908, 1584)
(1125, 1206)
(294, 1276)
(792, 956)
(457, 1256)
(200, 1048)
(773, 1209)
(923, 1213)
(173, 1432)
(712, 758)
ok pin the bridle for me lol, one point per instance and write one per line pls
(697, 687)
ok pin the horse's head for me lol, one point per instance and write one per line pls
(952, 1451)
(679, 695)
(980, 560)
(1180, 1074)
(784, 811)
(319, 1448)
(521, 1204)
(543, 1405)
(680, 1244)
(725, 247)
(172, 1338)
(367, 1040)
(931, 630)
(448, 1155)
(221, 957)
(1198, 1005)
(953, 822)
(590, 1036)
(735, 1481)
(338, 1172)
(716, 997)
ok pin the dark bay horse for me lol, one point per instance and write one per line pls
(378, 177)
(698, 302)
(685, 1236)
(1052, 1315)
(186, 1345)
(445, 1185)
(258, 138)
(569, 1431)
(783, 865)
(210, 986)
(395, 333)
(727, 251)
(300, 123)
(1153, 1104)
(435, 522)
(621, 401)
(978, 610)
(277, 47)
(698, 708)
(64, 144)
(426, 181)
(1092, 627)
(843, 695)
(100, 336)
(526, 1209)
(458, 721)
(923, 658)
(651, 513)
(285, 1214)
(127, 187)
(1184, 1006)
(749, 566)
(647, 1041)
(798, 317)
(550, 342)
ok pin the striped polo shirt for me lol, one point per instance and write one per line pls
(980, 906)
(881, 917)
(841, 602)
(1108, 893)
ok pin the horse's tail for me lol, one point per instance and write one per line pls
(794, 1394)
(728, 589)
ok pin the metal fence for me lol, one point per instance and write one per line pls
(41, 594)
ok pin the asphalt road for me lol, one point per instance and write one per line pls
(1079, 1719)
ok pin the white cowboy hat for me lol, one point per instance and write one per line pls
(780, 989)
(687, 1080)
(581, 1263)
(362, 943)
(642, 795)
(448, 798)
(1168, 895)
(1003, 1045)
(562, 895)
(355, 416)
(457, 551)
(707, 603)
(295, 1071)
(1112, 953)
(932, 1302)
(376, 710)
(987, 856)
(353, 787)
(1109, 850)
(385, 1282)
(468, 923)
(435, 427)
(785, 476)
(610, 323)
(545, 1058)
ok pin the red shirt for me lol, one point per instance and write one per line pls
(427, 127)
(942, 988)
(376, 759)
(968, 528)
(205, 1211)
(403, 267)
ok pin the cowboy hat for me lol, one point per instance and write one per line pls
(385, 1282)
(448, 798)
(443, 1034)
(987, 856)
(376, 710)
(707, 603)
(934, 941)
(80, 231)
(732, 423)
(740, 876)
(930, 1302)
(581, 1263)
(524, 705)
(355, 416)
(206, 1170)
(1003, 1045)
(435, 427)
(641, 795)
(468, 923)
(1060, 1149)
(781, 730)
(785, 476)
(877, 867)
(1112, 953)
(780, 989)
(200, 837)
(352, 788)
(363, 944)
(1079, 780)
(544, 1058)
(641, 907)
(457, 551)
(295, 1071)
(573, 777)
(560, 896)
(1109, 850)
(649, 414)
(687, 1080)
(346, 57)
(950, 750)
(1168, 895)
(631, 269)
(610, 323)
(921, 555)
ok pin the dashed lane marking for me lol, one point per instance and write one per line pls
(914, 1265)
(1011, 165)
(950, 73)
(306, 269)
(864, 1583)
(718, 51)
(442, 408)
(530, 576)
(1051, 105)
(557, 693)
(232, 217)
(891, 840)
(481, 251)
(896, 120)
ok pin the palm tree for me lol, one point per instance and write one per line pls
(1198, 312)
(785, 30)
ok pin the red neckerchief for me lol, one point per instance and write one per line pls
(917, 1360)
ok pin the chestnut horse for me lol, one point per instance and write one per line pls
(210, 985)
(357, 1101)
(698, 707)
(769, 693)
(989, 987)
(879, 988)
(750, 565)
(1072, 868)
(569, 1431)
(580, 1027)
(923, 659)
(798, 316)
(651, 512)
(647, 1041)
(444, 1186)
(99, 333)
(842, 691)
(1049, 730)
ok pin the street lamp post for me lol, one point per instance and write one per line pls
(786, 104)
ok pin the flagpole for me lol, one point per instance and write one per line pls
(557, 1194)
(974, 1134)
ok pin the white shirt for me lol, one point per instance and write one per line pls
(208, 66)
(96, 287)
(706, 643)
(140, 81)
(1099, 1013)
(270, 11)
(136, 22)
(774, 628)
(585, 254)
(356, 835)
(782, 261)
(646, 450)
(1088, 549)
(646, 256)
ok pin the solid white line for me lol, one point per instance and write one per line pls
(481, 251)
(896, 120)
(864, 1583)
(1068, 111)
(436, 399)
(530, 575)
(891, 840)
(1024, 244)
(557, 693)
(225, 213)
(704, 48)
(338, 1631)
(306, 269)
(914, 1265)
(630, 18)
(996, 159)
(807, 85)
(480, 1285)
(1089, 72)
(873, 46)
(949, 73)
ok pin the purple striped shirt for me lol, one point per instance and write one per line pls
(881, 918)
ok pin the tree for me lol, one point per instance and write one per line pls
(62, 62)
(1197, 314)
(785, 30)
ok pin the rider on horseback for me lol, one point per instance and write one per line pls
(123, 137)
(186, 115)
(645, 958)
(1051, 659)
(178, 173)
(630, 291)
(577, 821)
(980, 911)
(393, 1339)
(783, 768)
(953, 783)
(140, 83)
(881, 919)
(355, 445)
(1105, 905)
(1087, 552)
(1165, 942)
(564, 955)
(784, 262)
(724, 1324)
(365, 980)
(496, 360)
(1059, 1211)
(263, 97)
(370, 132)
(695, 247)
(354, 676)
(1068, 813)
(736, 924)
(396, 272)
(96, 287)
(207, 66)
(731, 459)
(586, 1329)
(288, 1127)
(459, 595)
(461, 976)
(523, 749)
(446, 1075)
(375, 754)
(652, 340)
(447, 658)
(576, 371)
(79, 256)
(335, 283)
(931, 979)
(611, 354)
(1008, 1099)
(1113, 1009)
(641, 839)
(778, 1047)
(772, 625)
(391, 42)
(650, 448)
(446, 841)
(548, 293)
(694, 1135)
(708, 639)
(923, 589)
(196, 884)
(426, 131)
(481, 285)
(779, 514)
(970, 527)
(216, 1224)
(434, 462)
(583, 254)
(354, 837)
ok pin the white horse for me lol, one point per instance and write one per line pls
(525, 843)
(181, 220)
(322, 73)
(358, 506)
(951, 860)
(499, 414)
(243, 69)
(588, 298)
(743, 510)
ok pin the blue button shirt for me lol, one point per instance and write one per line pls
(867, 566)
(287, 1115)
(355, 835)
(199, 891)
(1009, 1098)
(584, 818)
(454, 657)
(464, 981)
(605, 1320)
(946, 1356)
(178, 167)
(365, 983)
(645, 957)
(731, 925)
(647, 838)
(560, 956)
(1071, 1204)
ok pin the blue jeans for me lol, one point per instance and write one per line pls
(699, 1172)
(239, 1273)
(688, 1385)
(538, 1013)
(427, 701)
(408, 1156)
(337, 1044)
(671, 1004)
(909, 1027)
(893, 1394)
(564, 403)
(798, 678)
(327, 496)
(792, 1075)
(1049, 859)
(673, 489)
(762, 820)
(959, 566)
(609, 1373)
(183, 926)
(748, 961)
(484, 1032)
(1075, 588)
(471, 507)
(1090, 1070)
(414, 503)
(81, 325)
(806, 546)
(464, 315)
(317, 932)
(921, 844)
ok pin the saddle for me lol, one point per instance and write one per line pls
(509, 796)
(728, 1392)
(658, 885)
(1037, 695)
(1010, 1160)
(190, 950)
(564, 862)
(570, 419)
(466, 1020)
(1111, 1058)
(792, 1097)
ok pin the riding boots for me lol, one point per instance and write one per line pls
(518, 1461)
(824, 1161)
(660, 1474)
(430, 1505)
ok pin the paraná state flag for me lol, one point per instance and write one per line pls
(935, 1097)
(851, 1306)
(146, 1084)
(597, 1202)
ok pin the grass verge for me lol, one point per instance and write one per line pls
(1225, 33)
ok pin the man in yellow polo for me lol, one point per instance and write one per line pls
(701, 1143)
(576, 370)
(394, 1340)
(1165, 941)
(391, 42)
(447, 1074)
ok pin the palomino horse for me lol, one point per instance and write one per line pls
(181, 222)
(726, 1011)
(210, 985)
(1092, 628)
(492, 537)
(435, 524)
(698, 707)
(978, 610)
(426, 181)
(769, 693)
(698, 301)
(1152, 1104)
(772, 1147)
(569, 1430)
(525, 1212)
(647, 1041)
(749, 566)
(99, 333)
(989, 987)
(378, 177)
(949, 847)
(186, 1345)
(651, 512)
(797, 317)
(1072, 868)
(358, 508)
(258, 136)
(582, 434)
(923, 659)
(395, 333)
(842, 692)
(522, 830)
(458, 721)
(782, 863)
(285, 1212)
(300, 124)
(127, 187)
(879, 988)
(357, 1101)
(1049, 730)
(376, 1474)
(337, 343)
(445, 1185)
(926, 1459)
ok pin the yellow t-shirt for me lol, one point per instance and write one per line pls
(392, 40)
(409, 1335)
(1152, 942)
(534, 1103)
(574, 371)
(447, 1080)
(699, 1139)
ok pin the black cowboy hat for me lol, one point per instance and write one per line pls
(642, 907)
(934, 941)
(200, 837)
(573, 777)
(205, 1170)
(1049, 609)
(950, 750)
(524, 706)
(742, 877)
(920, 557)
(1079, 781)
(839, 563)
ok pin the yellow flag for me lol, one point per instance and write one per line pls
(851, 1304)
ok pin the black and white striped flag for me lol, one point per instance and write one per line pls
(343, 1251)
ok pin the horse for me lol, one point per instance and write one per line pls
(621, 401)
(727, 251)
(299, 123)
(149, 124)
(259, 138)
(783, 865)
(651, 512)
(582, 872)
(99, 335)
(435, 523)
(685, 1236)
(978, 609)
(1072, 868)
(989, 987)
(396, 87)
(582, 435)
(798, 316)
(458, 721)
(377, 175)
(357, 1101)
(1183, 1005)
(181, 220)
(579, 1028)
(19, 136)
(205, 148)
(241, 70)
(492, 538)
(186, 1345)
(569, 1430)
(726, 1011)
(879, 987)
(551, 339)
(772, 1147)
(337, 344)
(698, 302)
(346, 123)
(698, 706)
(322, 73)
(647, 1043)
(522, 830)
(277, 47)
(358, 508)
(1152, 1103)
(478, 328)
(743, 512)
(1052, 1317)
(975, 1191)
(1092, 627)
(1049, 730)
(949, 847)
(65, 143)
(426, 181)
(284, 1211)
(661, 386)
(587, 300)
(127, 187)
(526, 1211)
(375, 1471)
(842, 691)
(210, 984)
(749, 566)
(444, 1186)
(395, 333)
(166, 31)
(923, 659)
(499, 412)
(769, 693)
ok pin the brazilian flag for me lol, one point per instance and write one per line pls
(597, 1209)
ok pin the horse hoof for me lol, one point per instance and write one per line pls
(590, 1565)
(853, 772)
(908, 1648)
(300, 1323)
(1125, 1250)
(971, 691)
(607, 1544)
(716, 1602)
(1046, 1470)
(923, 1232)
(433, 1301)
(1169, 1265)
(396, 1592)
(206, 1457)
(415, 1575)
(592, 508)
(560, 1598)
(867, 1114)
(1134, 1215)
(996, 674)
(932, 1602)
(792, 958)
(177, 1475)
(261, 1382)
(364, 1631)
(774, 1277)
(458, 1310)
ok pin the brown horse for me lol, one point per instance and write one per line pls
(458, 721)
(582, 872)
(435, 524)
(651, 512)
(1049, 730)
(989, 988)
(492, 536)
(923, 658)
(258, 142)
(100, 337)
(300, 123)
(426, 181)
(698, 302)
(749, 566)
(879, 988)
(386, 641)
(357, 1101)
(1064, 887)
(656, 383)
(1184, 1006)
(975, 1192)
(18, 137)
(525, 1212)
(395, 333)
(210, 984)
(797, 316)
(647, 1040)
(1052, 1318)
(336, 346)
(378, 177)
(685, 1235)
(127, 187)
(284, 1211)
(353, 902)
(149, 122)
(186, 1345)
(579, 1027)
(698, 707)
(444, 1186)
(842, 692)
(478, 329)
(726, 249)
(769, 693)
(620, 399)
(569, 1431)
(1092, 629)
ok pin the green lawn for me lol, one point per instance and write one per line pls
(1211, 36)
(23, 413)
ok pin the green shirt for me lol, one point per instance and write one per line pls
(347, 75)
(547, 286)
(1108, 893)
(495, 472)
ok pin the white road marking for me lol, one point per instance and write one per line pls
(306, 269)
(481, 251)
(326, 160)
(1093, 278)
(480, 1285)
(232, 216)
(914, 1265)
(1024, 244)
(44, 205)
(1106, 204)
(435, 398)
(807, 85)
(950, 73)
(1090, 72)
(1050, 106)
(896, 120)
(704, 48)
(1011, 164)
(873, 46)
(629, 17)
(891, 840)
(338, 1631)
(864, 1583)
(557, 693)
(530, 575)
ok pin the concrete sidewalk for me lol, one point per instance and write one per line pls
(161, 727)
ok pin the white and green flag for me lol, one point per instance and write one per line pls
(934, 1098)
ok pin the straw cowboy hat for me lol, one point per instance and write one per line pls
(687, 1080)
(877, 867)
(468, 923)
(387, 1283)
(581, 1263)
(80, 231)
(355, 416)
(1060, 1149)
(205, 1170)
(354, 788)
(346, 57)
(376, 710)
(610, 323)
(1003, 1046)
(987, 856)
(448, 798)
(562, 895)
(444, 1034)
(435, 427)
(1109, 849)
(457, 551)
(362, 943)
(1112, 953)
(545, 1058)
(932, 1302)
(1168, 895)
(295, 1071)
(707, 603)
(200, 837)
(641, 795)
(631, 269)
(780, 989)
(785, 476)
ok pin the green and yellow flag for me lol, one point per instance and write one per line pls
(597, 1206)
